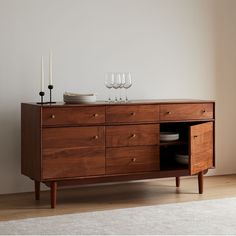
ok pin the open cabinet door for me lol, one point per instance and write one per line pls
(201, 147)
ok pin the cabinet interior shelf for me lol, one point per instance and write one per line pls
(174, 167)
(172, 143)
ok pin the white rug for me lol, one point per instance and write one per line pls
(200, 217)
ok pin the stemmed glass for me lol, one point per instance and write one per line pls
(116, 84)
(127, 84)
(122, 84)
(109, 81)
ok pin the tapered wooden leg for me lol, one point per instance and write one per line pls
(200, 182)
(37, 190)
(53, 194)
(177, 181)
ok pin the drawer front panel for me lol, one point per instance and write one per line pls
(73, 116)
(76, 162)
(132, 159)
(186, 112)
(71, 137)
(132, 135)
(138, 113)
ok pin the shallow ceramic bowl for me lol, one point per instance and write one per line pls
(169, 136)
(182, 159)
(80, 99)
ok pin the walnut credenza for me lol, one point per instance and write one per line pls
(64, 144)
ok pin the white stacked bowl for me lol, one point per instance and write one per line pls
(79, 98)
(169, 136)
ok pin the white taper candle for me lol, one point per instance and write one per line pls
(50, 68)
(42, 75)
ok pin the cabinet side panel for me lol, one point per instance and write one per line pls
(31, 141)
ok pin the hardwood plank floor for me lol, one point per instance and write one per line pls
(122, 195)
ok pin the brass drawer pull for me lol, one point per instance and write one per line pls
(133, 135)
(133, 159)
(53, 116)
(168, 112)
(133, 113)
(95, 137)
(95, 115)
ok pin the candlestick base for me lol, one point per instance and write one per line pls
(50, 87)
(41, 94)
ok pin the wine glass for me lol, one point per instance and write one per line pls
(122, 84)
(116, 84)
(127, 84)
(109, 81)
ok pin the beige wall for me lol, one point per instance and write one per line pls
(226, 86)
(172, 47)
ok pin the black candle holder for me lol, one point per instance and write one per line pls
(41, 94)
(50, 87)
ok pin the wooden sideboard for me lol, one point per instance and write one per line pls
(66, 144)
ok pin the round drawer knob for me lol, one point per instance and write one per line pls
(53, 116)
(134, 159)
(133, 135)
(168, 112)
(95, 115)
(95, 137)
(133, 113)
(203, 111)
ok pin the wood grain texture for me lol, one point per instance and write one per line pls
(72, 137)
(132, 135)
(73, 162)
(109, 178)
(127, 114)
(183, 112)
(130, 103)
(73, 116)
(132, 159)
(201, 147)
(65, 144)
(31, 141)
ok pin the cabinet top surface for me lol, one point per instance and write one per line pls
(132, 102)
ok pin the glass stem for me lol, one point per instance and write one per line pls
(109, 98)
(126, 97)
(116, 95)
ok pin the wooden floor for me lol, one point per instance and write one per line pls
(122, 195)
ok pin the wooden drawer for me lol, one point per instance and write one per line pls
(138, 113)
(71, 137)
(132, 159)
(177, 112)
(73, 115)
(132, 135)
(66, 163)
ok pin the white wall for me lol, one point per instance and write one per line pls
(168, 45)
